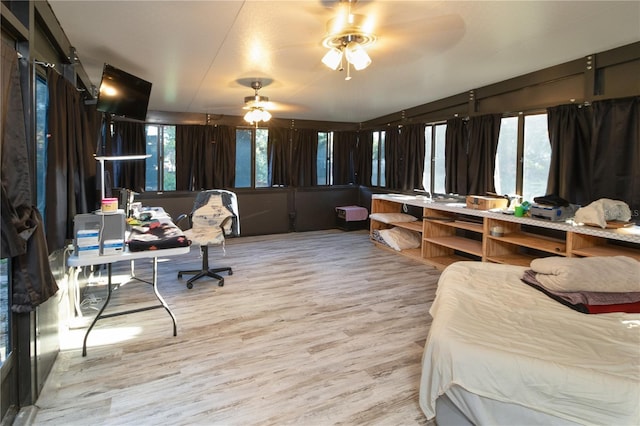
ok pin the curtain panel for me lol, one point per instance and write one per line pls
(364, 158)
(455, 156)
(394, 157)
(344, 157)
(129, 139)
(413, 140)
(303, 160)
(205, 157)
(71, 178)
(615, 152)
(484, 132)
(569, 129)
(279, 156)
(223, 166)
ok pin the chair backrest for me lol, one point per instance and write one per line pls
(214, 217)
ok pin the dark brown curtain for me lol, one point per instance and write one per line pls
(72, 141)
(364, 157)
(344, 153)
(205, 157)
(615, 152)
(278, 148)
(129, 139)
(413, 141)
(224, 157)
(455, 156)
(186, 137)
(483, 145)
(303, 159)
(569, 129)
(394, 157)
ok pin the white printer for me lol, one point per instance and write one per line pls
(552, 213)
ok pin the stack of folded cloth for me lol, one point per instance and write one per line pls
(591, 285)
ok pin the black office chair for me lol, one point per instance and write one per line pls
(213, 218)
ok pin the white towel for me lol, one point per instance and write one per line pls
(598, 274)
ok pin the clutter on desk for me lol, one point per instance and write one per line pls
(157, 235)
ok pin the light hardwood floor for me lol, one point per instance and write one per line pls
(315, 328)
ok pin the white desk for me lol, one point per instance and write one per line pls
(76, 261)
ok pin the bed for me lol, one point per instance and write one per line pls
(500, 351)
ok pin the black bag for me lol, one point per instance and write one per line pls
(551, 200)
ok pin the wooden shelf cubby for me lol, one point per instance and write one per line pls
(451, 233)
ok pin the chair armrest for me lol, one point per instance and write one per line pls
(181, 220)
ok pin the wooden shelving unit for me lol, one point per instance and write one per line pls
(451, 233)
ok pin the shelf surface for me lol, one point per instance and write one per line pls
(460, 224)
(536, 242)
(607, 250)
(512, 259)
(413, 226)
(441, 262)
(458, 243)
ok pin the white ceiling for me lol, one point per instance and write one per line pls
(194, 52)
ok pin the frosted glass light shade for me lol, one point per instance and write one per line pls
(332, 58)
(357, 56)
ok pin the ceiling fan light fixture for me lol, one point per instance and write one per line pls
(332, 58)
(347, 36)
(257, 106)
(357, 56)
(256, 115)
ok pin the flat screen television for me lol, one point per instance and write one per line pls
(123, 94)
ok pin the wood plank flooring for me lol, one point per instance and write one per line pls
(315, 328)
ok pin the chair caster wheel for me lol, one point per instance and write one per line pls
(221, 283)
(230, 271)
(189, 286)
(179, 274)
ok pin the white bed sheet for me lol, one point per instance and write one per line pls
(501, 339)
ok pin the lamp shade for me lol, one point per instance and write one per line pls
(332, 58)
(357, 56)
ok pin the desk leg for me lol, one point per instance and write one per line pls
(155, 290)
(84, 343)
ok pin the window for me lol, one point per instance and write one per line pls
(523, 156)
(537, 157)
(5, 313)
(262, 158)
(161, 145)
(434, 171)
(378, 171)
(252, 165)
(42, 103)
(505, 172)
(325, 158)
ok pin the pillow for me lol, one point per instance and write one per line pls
(392, 217)
(400, 238)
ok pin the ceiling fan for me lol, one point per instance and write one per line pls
(257, 106)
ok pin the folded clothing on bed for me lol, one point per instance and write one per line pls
(598, 274)
(588, 302)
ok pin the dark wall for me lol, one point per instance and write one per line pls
(315, 208)
(270, 210)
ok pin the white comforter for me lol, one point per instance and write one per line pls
(499, 338)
